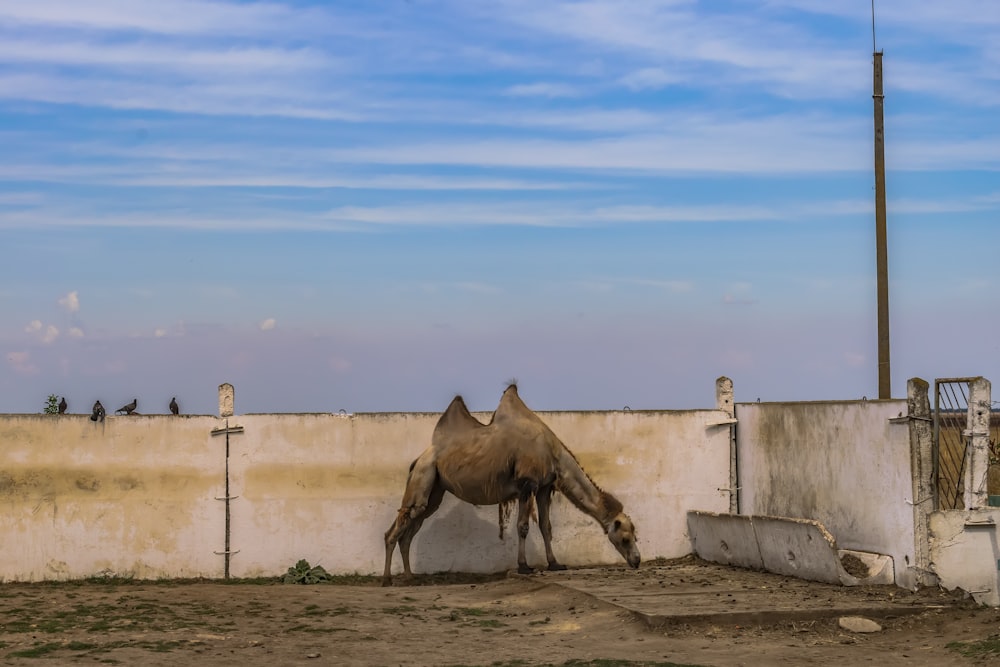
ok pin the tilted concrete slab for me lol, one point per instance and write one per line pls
(797, 548)
(783, 545)
(725, 538)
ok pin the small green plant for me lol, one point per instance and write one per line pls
(303, 573)
(52, 405)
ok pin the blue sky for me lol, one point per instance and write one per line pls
(374, 205)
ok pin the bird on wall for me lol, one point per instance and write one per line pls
(62, 405)
(174, 408)
(97, 415)
(128, 409)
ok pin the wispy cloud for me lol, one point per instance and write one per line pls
(182, 17)
(70, 302)
(543, 89)
(649, 78)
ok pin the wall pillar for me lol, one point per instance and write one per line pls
(978, 444)
(724, 401)
(918, 410)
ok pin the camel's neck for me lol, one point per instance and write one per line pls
(589, 498)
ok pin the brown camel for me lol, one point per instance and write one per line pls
(514, 457)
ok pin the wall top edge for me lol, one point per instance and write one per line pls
(859, 401)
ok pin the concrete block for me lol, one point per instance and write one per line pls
(724, 538)
(805, 548)
(965, 552)
(797, 548)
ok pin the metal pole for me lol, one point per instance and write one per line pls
(228, 547)
(881, 249)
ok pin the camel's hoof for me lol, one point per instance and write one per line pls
(386, 582)
(556, 567)
(525, 569)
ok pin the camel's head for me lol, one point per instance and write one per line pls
(621, 532)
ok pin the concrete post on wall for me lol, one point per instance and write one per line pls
(724, 401)
(978, 439)
(226, 400)
(918, 414)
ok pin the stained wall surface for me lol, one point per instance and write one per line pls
(842, 463)
(144, 496)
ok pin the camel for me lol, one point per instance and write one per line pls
(513, 457)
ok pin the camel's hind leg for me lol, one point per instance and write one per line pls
(524, 506)
(420, 489)
(544, 501)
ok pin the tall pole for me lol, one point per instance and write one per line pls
(881, 249)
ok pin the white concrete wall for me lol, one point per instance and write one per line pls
(129, 495)
(840, 463)
(965, 551)
(139, 496)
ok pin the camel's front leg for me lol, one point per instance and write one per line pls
(433, 503)
(524, 501)
(544, 501)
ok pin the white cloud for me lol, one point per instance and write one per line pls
(543, 89)
(142, 56)
(178, 17)
(50, 334)
(648, 78)
(33, 326)
(268, 324)
(159, 333)
(75, 332)
(71, 302)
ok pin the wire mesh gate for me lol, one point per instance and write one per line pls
(951, 413)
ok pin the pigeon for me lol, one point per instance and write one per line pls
(174, 409)
(62, 405)
(128, 409)
(98, 413)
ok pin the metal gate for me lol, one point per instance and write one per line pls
(951, 414)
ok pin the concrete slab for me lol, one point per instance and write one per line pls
(784, 545)
(728, 539)
(797, 548)
(691, 591)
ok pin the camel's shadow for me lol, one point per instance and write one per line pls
(464, 538)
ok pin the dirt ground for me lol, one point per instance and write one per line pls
(476, 620)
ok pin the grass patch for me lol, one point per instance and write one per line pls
(316, 610)
(162, 646)
(41, 650)
(404, 609)
(982, 648)
(36, 651)
(472, 611)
